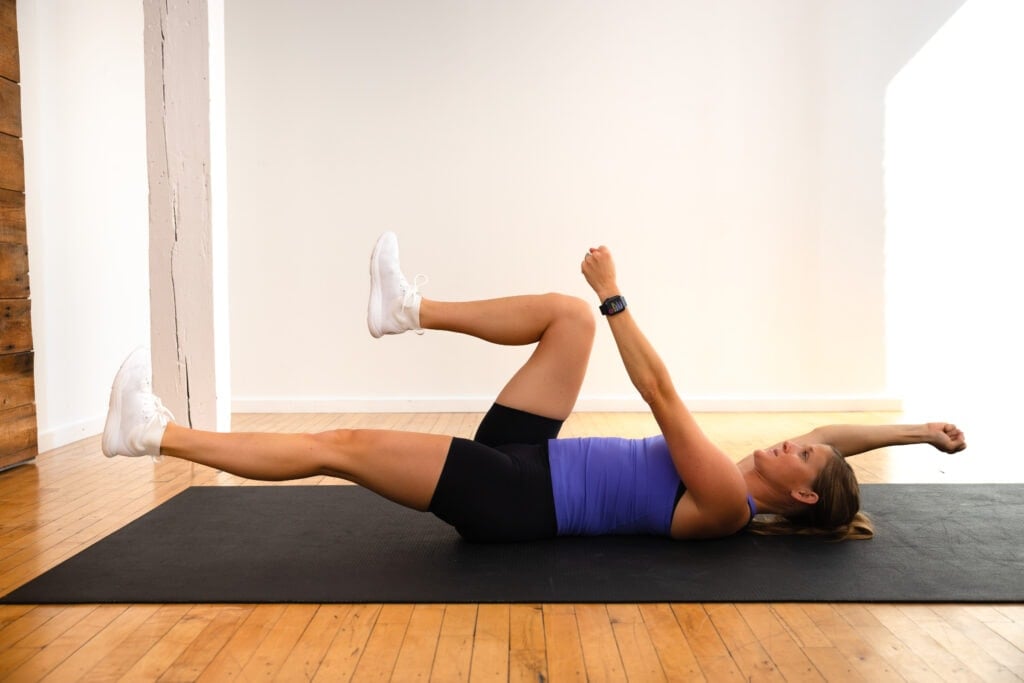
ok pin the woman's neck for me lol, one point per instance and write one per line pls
(767, 498)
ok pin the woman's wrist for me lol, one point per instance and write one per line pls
(909, 434)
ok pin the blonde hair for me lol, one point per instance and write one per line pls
(836, 515)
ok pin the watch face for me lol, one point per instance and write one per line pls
(613, 305)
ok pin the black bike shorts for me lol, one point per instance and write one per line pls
(497, 487)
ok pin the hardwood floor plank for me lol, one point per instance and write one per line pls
(967, 650)
(748, 653)
(1007, 651)
(416, 655)
(349, 642)
(945, 664)
(159, 658)
(24, 620)
(562, 638)
(277, 646)
(490, 644)
(803, 629)
(454, 652)
(597, 640)
(1011, 631)
(714, 657)
(67, 644)
(305, 657)
(384, 643)
(778, 643)
(673, 650)
(244, 642)
(833, 664)
(193, 660)
(867, 661)
(103, 644)
(903, 659)
(132, 649)
(639, 657)
(527, 659)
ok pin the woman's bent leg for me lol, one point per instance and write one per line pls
(401, 466)
(562, 326)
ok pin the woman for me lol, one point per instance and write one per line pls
(515, 480)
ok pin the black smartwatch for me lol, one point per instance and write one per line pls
(612, 305)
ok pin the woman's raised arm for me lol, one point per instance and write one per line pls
(713, 482)
(856, 439)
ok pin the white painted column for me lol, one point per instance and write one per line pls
(184, 55)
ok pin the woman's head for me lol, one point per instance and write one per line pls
(825, 493)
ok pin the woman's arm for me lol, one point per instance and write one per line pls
(712, 480)
(856, 439)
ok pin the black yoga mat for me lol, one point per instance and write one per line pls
(934, 543)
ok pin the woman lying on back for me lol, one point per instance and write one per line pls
(516, 480)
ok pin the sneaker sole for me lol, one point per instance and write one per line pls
(114, 412)
(373, 313)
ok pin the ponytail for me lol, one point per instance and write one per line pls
(836, 515)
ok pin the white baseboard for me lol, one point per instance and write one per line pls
(69, 433)
(468, 404)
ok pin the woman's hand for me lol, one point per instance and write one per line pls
(598, 268)
(946, 437)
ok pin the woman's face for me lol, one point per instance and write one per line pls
(791, 467)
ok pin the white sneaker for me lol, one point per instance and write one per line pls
(136, 419)
(394, 303)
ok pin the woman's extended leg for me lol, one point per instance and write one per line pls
(402, 466)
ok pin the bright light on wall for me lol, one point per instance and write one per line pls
(954, 181)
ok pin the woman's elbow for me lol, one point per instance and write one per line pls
(653, 392)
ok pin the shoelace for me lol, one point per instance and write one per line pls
(411, 292)
(159, 409)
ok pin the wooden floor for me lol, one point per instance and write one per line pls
(73, 496)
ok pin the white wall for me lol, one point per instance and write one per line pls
(954, 179)
(729, 152)
(86, 203)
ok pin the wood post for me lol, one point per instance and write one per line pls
(18, 432)
(187, 259)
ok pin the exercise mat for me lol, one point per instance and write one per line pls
(324, 544)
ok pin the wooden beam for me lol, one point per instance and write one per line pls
(12, 217)
(10, 64)
(17, 380)
(10, 108)
(13, 271)
(15, 325)
(12, 164)
(187, 342)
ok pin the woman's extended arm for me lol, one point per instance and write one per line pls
(855, 439)
(713, 482)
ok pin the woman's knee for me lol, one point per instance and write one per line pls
(574, 311)
(338, 449)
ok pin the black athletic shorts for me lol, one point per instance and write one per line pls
(497, 487)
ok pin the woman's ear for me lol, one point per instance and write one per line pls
(805, 496)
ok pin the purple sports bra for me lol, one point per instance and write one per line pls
(610, 485)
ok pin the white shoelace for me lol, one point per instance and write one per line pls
(410, 294)
(159, 409)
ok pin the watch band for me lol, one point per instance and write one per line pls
(612, 305)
